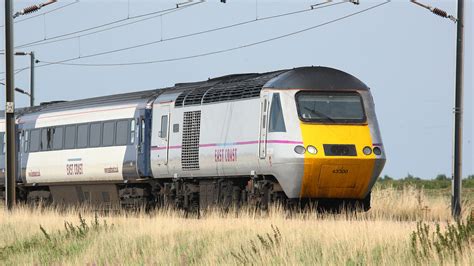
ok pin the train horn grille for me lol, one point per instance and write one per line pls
(339, 150)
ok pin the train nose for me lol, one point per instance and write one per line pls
(337, 177)
(347, 166)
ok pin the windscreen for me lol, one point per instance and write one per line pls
(330, 107)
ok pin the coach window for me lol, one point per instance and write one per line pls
(142, 130)
(277, 123)
(2, 143)
(26, 140)
(164, 126)
(264, 117)
(22, 141)
(44, 139)
(58, 138)
(132, 131)
(70, 137)
(121, 137)
(35, 140)
(82, 135)
(108, 134)
(95, 135)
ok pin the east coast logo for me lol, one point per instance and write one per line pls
(225, 155)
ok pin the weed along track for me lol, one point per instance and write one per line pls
(389, 234)
(58, 245)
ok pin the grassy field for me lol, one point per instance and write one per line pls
(387, 234)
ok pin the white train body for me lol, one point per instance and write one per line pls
(78, 164)
(229, 144)
(244, 135)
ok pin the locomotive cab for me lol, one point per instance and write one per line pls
(329, 116)
(342, 161)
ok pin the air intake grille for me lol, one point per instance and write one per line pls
(195, 96)
(232, 92)
(190, 148)
(179, 101)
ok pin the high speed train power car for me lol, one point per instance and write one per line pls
(302, 134)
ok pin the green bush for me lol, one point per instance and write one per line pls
(51, 247)
(441, 181)
(451, 242)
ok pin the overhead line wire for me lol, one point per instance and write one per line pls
(64, 62)
(39, 42)
(42, 42)
(203, 32)
(17, 71)
(44, 13)
(159, 12)
(195, 33)
(102, 30)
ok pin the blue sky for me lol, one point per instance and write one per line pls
(403, 52)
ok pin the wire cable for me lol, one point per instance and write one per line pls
(64, 62)
(17, 71)
(42, 42)
(155, 13)
(44, 13)
(207, 31)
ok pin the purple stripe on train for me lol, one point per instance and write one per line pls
(232, 144)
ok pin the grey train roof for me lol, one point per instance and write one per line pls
(225, 88)
(242, 86)
(316, 78)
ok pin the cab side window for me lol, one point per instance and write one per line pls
(277, 123)
(164, 127)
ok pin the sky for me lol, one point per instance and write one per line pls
(404, 53)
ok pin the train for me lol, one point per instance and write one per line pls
(307, 134)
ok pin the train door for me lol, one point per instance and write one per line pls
(142, 126)
(161, 120)
(18, 153)
(262, 144)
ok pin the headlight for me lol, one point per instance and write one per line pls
(311, 149)
(377, 151)
(300, 149)
(367, 150)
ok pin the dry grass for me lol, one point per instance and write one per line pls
(380, 236)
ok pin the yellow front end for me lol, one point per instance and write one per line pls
(330, 176)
